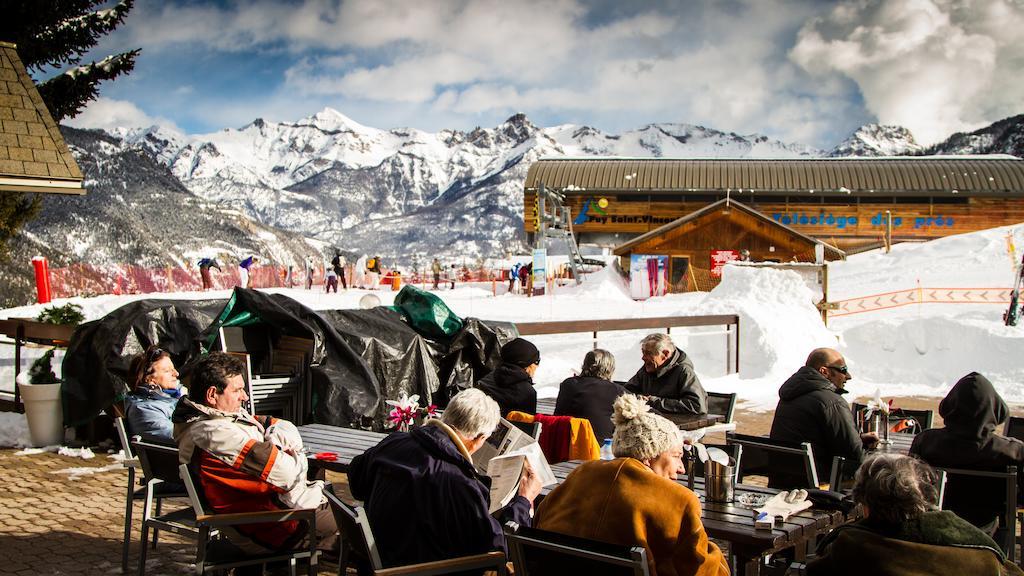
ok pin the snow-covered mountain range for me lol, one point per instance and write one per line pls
(403, 191)
(160, 197)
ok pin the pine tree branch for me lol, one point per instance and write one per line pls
(55, 33)
(66, 94)
(16, 209)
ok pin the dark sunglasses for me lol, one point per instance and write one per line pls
(153, 353)
(840, 369)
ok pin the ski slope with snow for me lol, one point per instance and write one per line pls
(914, 350)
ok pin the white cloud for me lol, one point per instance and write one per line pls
(934, 66)
(107, 114)
(799, 70)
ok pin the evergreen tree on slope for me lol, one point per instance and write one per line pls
(55, 34)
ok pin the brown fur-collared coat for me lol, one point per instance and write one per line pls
(622, 501)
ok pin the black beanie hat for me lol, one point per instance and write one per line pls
(520, 352)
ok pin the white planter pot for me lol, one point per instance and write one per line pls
(44, 413)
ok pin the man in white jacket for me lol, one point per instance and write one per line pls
(246, 463)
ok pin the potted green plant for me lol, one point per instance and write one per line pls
(40, 392)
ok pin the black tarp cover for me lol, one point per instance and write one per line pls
(96, 364)
(344, 386)
(354, 352)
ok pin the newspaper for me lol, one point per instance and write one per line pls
(506, 470)
(502, 458)
(506, 438)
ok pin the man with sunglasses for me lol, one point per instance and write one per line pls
(811, 409)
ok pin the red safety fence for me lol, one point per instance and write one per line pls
(91, 280)
(88, 280)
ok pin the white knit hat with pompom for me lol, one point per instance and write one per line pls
(639, 433)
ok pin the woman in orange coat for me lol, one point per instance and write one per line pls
(634, 499)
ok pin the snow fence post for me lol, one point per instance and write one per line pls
(42, 273)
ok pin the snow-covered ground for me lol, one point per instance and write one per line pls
(919, 349)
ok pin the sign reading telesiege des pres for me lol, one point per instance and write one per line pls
(841, 222)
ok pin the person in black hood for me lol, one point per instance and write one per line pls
(811, 409)
(668, 380)
(511, 383)
(591, 394)
(971, 413)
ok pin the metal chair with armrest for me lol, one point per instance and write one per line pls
(159, 464)
(786, 464)
(986, 499)
(537, 552)
(154, 494)
(359, 548)
(923, 419)
(839, 483)
(722, 403)
(215, 552)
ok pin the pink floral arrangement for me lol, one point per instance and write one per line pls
(406, 410)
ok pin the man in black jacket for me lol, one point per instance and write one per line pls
(511, 383)
(423, 496)
(811, 409)
(667, 379)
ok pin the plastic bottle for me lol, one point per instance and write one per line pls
(606, 450)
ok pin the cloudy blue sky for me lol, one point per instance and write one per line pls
(798, 70)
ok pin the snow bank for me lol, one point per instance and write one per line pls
(779, 324)
(926, 356)
(605, 284)
(13, 430)
(974, 260)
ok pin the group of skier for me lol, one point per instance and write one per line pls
(245, 280)
(522, 273)
(450, 274)
(334, 274)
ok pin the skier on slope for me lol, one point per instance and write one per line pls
(204, 271)
(245, 280)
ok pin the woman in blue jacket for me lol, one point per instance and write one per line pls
(155, 393)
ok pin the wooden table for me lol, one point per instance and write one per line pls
(347, 443)
(735, 524)
(730, 522)
(27, 330)
(900, 444)
(684, 421)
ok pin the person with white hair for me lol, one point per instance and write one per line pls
(668, 380)
(423, 496)
(634, 499)
(591, 394)
(901, 532)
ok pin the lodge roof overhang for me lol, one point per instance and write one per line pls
(997, 176)
(33, 154)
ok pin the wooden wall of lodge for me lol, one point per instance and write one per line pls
(832, 221)
(737, 231)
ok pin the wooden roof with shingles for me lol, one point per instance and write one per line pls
(998, 176)
(33, 154)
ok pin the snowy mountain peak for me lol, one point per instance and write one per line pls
(331, 121)
(1003, 137)
(877, 140)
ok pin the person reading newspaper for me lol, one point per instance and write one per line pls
(423, 495)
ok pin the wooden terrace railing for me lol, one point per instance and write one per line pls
(730, 321)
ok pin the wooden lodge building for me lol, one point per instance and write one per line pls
(696, 211)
